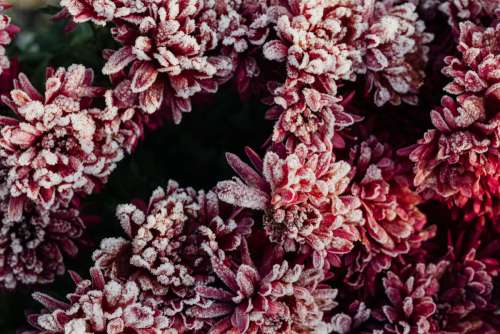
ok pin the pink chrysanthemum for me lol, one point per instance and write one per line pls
(393, 223)
(470, 10)
(459, 161)
(99, 306)
(102, 11)
(396, 53)
(7, 30)
(272, 298)
(348, 322)
(307, 116)
(303, 196)
(168, 47)
(32, 249)
(165, 253)
(316, 39)
(410, 303)
(243, 27)
(58, 145)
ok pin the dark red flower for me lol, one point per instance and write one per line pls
(33, 248)
(96, 306)
(168, 49)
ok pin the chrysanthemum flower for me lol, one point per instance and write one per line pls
(396, 53)
(316, 40)
(7, 30)
(243, 27)
(58, 145)
(166, 254)
(476, 11)
(303, 197)
(410, 303)
(393, 223)
(99, 306)
(32, 249)
(275, 297)
(319, 43)
(307, 116)
(102, 11)
(168, 48)
(458, 161)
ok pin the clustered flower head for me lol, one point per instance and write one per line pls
(458, 161)
(372, 207)
(167, 46)
(7, 31)
(58, 145)
(32, 249)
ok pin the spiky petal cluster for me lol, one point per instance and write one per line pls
(274, 297)
(317, 42)
(396, 53)
(32, 249)
(471, 10)
(7, 30)
(168, 240)
(410, 303)
(243, 27)
(167, 48)
(458, 161)
(303, 198)
(58, 145)
(96, 306)
(393, 223)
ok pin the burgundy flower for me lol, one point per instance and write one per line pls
(243, 27)
(167, 47)
(32, 248)
(303, 198)
(393, 223)
(458, 161)
(102, 11)
(347, 322)
(99, 306)
(316, 39)
(272, 298)
(396, 53)
(59, 145)
(470, 10)
(410, 303)
(307, 116)
(7, 31)
(164, 255)
(466, 292)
